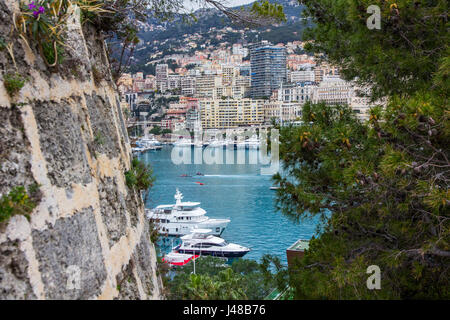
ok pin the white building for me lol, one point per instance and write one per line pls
(302, 76)
(187, 84)
(173, 81)
(283, 112)
(301, 92)
(333, 90)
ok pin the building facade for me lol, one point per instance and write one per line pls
(268, 69)
(231, 113)
(162, 77)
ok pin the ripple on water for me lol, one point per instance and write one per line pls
(237, 192)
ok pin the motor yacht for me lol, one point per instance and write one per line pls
(182, 217)
(183, 143)
(202, 242)
(251, 143)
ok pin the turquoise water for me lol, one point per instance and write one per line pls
(235, 191)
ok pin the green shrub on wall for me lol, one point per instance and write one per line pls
(140, 176)
(17, 201)
(13, 82)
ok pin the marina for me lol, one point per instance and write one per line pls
(237, 192)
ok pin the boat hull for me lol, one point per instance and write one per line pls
(175, 229)
(221, 254)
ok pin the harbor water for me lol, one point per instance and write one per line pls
(235, 191)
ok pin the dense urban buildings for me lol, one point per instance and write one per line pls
(241, 86)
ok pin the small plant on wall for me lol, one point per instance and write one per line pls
(13, 82)
(19, 201)
(45, 22)
(140, 176)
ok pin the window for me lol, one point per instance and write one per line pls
(218, 229)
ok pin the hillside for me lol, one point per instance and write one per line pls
(159, 40)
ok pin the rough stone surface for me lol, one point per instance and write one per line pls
(69, 248)
(133, 208)
(126, 284)
(62, 143)
(143, 260)
(105, 136)
(113, 208)
(15, 159)
(64, 132)
(14, 282)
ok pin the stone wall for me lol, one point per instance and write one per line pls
(87, 238)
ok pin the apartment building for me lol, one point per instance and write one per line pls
(162, 77)
(302, 76)
(268, 69)
(301, 92)
(333, 90)
(282, 111)
(206, 84)
(187, 84)
(231, 113)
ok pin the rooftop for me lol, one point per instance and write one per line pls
(299, 245)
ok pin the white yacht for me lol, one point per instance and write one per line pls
(149, 141)
(183, 143)
(217, 143)
(201, 242)
(180, 218)
(251, 143)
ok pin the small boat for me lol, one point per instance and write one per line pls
(185, 142)
(199, 174)
(185, 176)
(201, 242)
(274, 188)
(148, 141)
(200, 183)
(178, 259)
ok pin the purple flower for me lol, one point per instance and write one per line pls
(31, 6)
(38, 12)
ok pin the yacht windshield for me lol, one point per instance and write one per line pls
(188, 208)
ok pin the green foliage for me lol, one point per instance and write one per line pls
(400, 58)
(385, 183)
(214, 279)
(381, 187)
(140, 176)
(155, 130)
(52, 55)
(13, 82)
(154, 234)
(270, 10)
(17, 201)
(45, 21)
(99, 139)
(2, 43)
